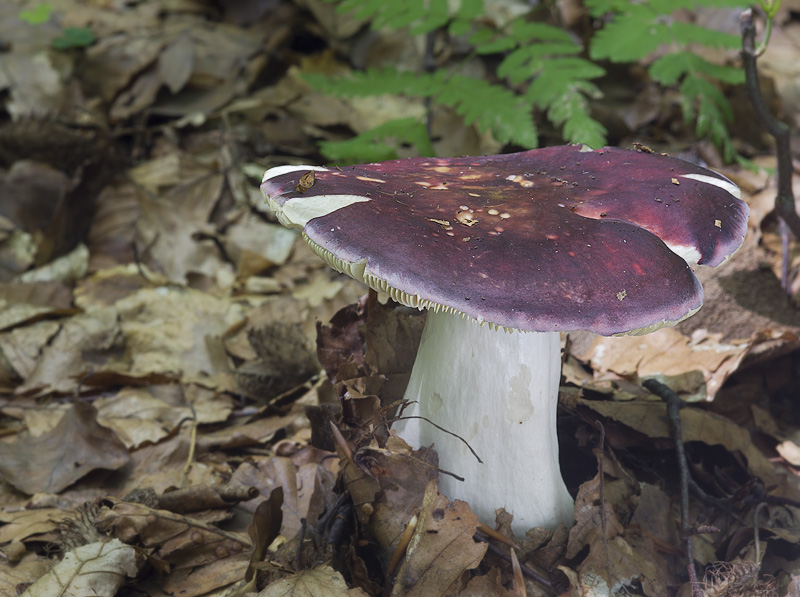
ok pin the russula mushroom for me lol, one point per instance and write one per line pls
(542, 241)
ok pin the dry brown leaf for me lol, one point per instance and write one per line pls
(83, 343)
(163, 465)
(138, 417)
(180, 540)
(23, 524)
(95, 569)
(402, 476)
(486, 584)
(593, 514)
(267, 245)
(21, 350)
(622, 563)
(256, 432)
(111, 237)
(68, 268)
(667, 352)
(167, 229)
(41, 464)
(442, 547)
(42, 298)
(704, 426)
(306, 488)
(176, 62)
(322, 580)
(653, 509)
(265, 528)
(167, 330)
(14, 575)
(38, 89)
(203, 580)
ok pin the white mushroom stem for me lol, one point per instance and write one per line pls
(499, 392)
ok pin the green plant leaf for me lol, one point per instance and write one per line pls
(74, 37)
(689, 33)
(524, 62)
(628, 38)
(491, 107)
(39, 15)
(669, 69)
(380, 143)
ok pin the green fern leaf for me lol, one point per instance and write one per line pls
(437, 15)
(689, 33)
(579, 126)
(380, 143)
(562, 89)
(521, 64)
(491, 107)
(562, 76)
(486, 42)
(629, 37)
(466, 14)
(523, 31)
(669, 69)
(704, 103)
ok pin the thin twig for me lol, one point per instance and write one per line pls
(601, 474)
(756, 538)
(297, 556)
(674, 405)
(784, 201)
(529, 572)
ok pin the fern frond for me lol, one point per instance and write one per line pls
(669, 69)
(521, 64)
(420, 16)
(371, 146)
(579, 126)
(703, 102)
(690, 33)
(491, 107)
(639, 29)
(630, 36)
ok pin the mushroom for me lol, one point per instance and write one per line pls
(543, 241)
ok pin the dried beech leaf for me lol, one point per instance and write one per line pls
(20, 525)
(179, 540)
(96, 569)
(650, 418)
(55, 460)
(590, 509)
(322, 580)
(441, 549)
(667, 352)
(266, 526)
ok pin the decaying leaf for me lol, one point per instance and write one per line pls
(322, 580)
(182, 541)
(95, 569)
(441, 549)
(55, 460)
(666, 353)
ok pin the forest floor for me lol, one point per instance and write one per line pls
(171, 356)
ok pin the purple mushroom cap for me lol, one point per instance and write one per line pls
(553, 239)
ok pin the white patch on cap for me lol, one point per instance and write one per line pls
(717, 182)
(278, 170)
(688, 254)
(299, 211)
